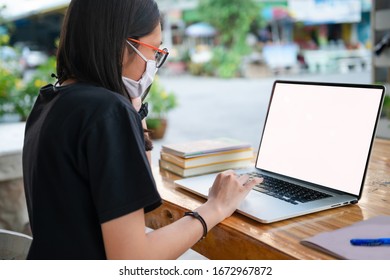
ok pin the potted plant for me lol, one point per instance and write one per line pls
(160, 103)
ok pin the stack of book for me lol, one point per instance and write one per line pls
(205, 156)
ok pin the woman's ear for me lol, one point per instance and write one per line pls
(125, 55)
(127, 60)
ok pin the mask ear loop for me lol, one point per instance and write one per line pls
(145, 94)
(56, 83)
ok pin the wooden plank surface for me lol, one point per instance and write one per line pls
(239, 237)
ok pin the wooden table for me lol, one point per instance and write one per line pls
(239, 237)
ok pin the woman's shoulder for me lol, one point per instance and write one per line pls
(89, 102)
(94, 97)
(90, 91)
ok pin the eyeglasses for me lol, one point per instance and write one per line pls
(160, 54)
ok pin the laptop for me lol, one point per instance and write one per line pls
(314, 150)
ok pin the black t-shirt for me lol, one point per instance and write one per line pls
(84, 163)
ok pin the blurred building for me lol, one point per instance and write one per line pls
(320, 32)
(333, 35)
(36, 23)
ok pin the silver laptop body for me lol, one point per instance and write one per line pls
(316, 135)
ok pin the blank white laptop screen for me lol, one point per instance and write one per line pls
(320, 134)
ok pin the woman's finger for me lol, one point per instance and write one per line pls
(253, 182)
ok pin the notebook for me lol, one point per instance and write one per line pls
(314, 150)
(337, 242)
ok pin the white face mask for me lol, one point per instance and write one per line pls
(137, 88)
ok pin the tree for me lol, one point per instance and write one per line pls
(232, 18)
(18, 95)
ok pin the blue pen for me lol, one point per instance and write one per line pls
(370, 242)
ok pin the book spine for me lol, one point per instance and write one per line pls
(186, 172)
(246, 154)
(173, 159)
(172, 168)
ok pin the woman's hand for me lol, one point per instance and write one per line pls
(229, 189)
(125, 238)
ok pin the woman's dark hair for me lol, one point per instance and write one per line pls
(94, 35)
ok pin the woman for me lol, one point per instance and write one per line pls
(87, 176)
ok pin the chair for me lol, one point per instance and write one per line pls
(14, 245)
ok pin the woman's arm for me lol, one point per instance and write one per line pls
(125, 237)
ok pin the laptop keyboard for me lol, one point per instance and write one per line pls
(286, 191)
